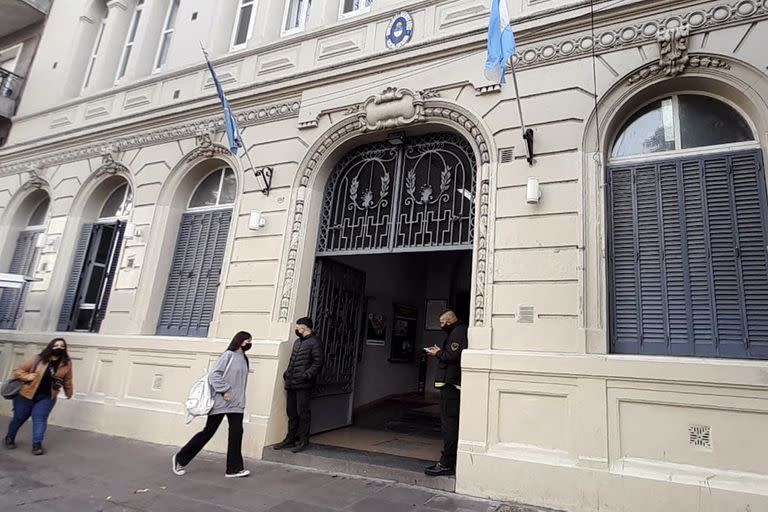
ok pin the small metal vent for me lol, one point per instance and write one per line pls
(525, 315)
(700, 436)
(506, 155)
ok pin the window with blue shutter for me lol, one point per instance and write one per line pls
(11, 300)
(687, 249)
(193, 283)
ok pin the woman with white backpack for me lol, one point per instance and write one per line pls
(228, 380)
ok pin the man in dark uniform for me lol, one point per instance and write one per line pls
(448, 381)
(300, 377)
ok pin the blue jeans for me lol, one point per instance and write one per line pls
(39, 409)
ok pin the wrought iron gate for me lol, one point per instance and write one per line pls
(416, 196)
(338, 292)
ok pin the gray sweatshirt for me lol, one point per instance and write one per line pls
(233, 382)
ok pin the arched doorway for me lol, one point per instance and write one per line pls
(24, 255)
(97, 258)
(394, 250)
(193, 281)
(687, 210)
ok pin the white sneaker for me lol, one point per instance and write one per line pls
(239, 474)
(177, 468)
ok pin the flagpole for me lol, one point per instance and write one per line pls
(527, 134)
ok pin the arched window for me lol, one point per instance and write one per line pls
(190, 295)
(681, 122)
(24, 256)
(96, 262)
(688, 273)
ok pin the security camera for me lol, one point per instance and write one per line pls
(533, 192)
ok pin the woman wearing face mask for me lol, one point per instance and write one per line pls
(228, 379)
(43, 376)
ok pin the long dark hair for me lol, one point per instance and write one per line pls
(237, 341)
(47, 353)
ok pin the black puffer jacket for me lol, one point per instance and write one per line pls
(305, 364)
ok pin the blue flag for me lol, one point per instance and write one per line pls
(501, 42)
(233, 132)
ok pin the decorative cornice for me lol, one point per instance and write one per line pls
(160, 136)
(641, 32)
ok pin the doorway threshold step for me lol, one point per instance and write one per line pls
(367, 464)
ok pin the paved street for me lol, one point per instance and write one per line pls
(85, 472)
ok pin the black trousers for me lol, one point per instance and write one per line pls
(299, 414)
(234, 446)
(449, 420)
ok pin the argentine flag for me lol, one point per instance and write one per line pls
(233, 132)
(501, 42)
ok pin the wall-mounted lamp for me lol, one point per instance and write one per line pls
(264, 178)
(396, 138)
(533, 192)
(256, 221)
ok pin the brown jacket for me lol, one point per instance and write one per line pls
(34, 366)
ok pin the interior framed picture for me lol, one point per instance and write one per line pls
(404, 332)
(376, 334)
(435, 308)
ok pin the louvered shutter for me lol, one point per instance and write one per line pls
(21, 263)
(114, 265)
(70, 296)
(190, 296)
(699, 271)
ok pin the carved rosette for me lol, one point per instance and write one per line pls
(393, 109)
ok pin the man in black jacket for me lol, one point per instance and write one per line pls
(448, 381)
(300, 377)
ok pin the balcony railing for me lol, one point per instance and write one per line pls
(10, 84)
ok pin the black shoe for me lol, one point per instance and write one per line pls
(439, 470)
(303, 445)
(37, 449)
(285, 443)
(9, 443)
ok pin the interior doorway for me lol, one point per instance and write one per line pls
(394, 251)
(376, 313)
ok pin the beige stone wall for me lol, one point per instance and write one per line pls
(553, 418)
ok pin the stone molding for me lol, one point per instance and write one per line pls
(641, 32)
(430, 108)
(171, 133)
(693, 62)
(206, 148)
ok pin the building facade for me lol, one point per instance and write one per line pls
(618, 322)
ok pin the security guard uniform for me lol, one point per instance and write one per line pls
(448, 381)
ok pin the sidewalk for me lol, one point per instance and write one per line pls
(84, 472)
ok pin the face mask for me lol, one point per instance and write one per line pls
(58, 352)
(298, 333)
(247, 346)
(447, 327)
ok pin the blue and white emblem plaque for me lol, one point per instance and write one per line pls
(400, 30)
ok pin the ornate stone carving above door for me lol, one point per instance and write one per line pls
(393, 108)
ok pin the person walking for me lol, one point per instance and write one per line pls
(448, 381)
(300, 378)
(43, 377)
(228, 380)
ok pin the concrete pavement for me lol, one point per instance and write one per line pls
(84, 472)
